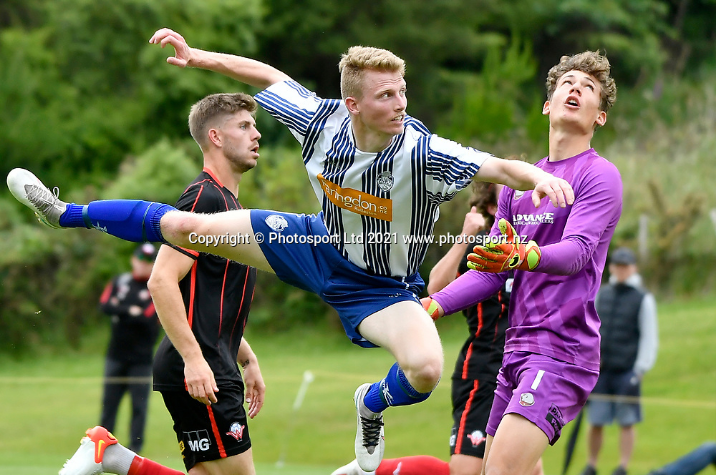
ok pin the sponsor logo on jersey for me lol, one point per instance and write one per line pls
(276, 222)
(527, 399)
(518, 194)
(554, 417)
(236, 431)
(476, 437)
(198, 440)
(357, 201)
(529, 219)
(385, 181)
(397, 470)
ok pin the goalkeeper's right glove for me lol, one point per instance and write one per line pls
(508, 254)
(432, 307)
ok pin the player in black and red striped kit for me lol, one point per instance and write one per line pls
(479, 360)
(203, 304)
(216, 294)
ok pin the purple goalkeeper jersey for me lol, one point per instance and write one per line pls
(552, 309)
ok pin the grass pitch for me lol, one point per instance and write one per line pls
(49, 400)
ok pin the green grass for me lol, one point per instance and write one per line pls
(49, 401)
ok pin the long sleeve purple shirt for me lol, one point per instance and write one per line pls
(552, 309)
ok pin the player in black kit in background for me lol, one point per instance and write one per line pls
(128, 365)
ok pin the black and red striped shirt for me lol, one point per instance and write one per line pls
(481, 355)
(217, 296)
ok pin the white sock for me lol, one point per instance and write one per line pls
(117, 459)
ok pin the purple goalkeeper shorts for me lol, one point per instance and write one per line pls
(545, 391)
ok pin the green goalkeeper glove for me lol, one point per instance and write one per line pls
(507, 254)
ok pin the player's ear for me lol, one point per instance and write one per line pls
(214, 137)
(601, 118)
(352, 105)
(545, 108)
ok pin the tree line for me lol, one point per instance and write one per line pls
(89, 105)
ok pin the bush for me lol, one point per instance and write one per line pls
(53, 278)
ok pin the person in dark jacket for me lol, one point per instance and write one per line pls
(628, 350)
(135, 327)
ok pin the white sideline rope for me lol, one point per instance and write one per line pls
(315, 375)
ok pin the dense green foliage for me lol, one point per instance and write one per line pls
(89, 105)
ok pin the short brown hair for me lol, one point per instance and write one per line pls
(484, 194)
(214, 109)
(589, 62)
(359, 58)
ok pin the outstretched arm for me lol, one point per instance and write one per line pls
(465, 291)
(246, 70)
(169, 269)
(523, 176)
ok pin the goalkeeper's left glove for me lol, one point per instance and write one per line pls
(507, 254)
(432, 307)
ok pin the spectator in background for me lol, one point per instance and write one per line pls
(628, 350)
(128, 365)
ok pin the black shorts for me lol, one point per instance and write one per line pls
(210, 432)
(471, 403)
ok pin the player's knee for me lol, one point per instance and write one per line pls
(179, 226)
(424, 375)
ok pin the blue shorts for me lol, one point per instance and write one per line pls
(314, 264)
(604, 406)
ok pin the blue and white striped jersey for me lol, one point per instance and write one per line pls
(379, 208)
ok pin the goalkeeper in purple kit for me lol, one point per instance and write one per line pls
(551, 360)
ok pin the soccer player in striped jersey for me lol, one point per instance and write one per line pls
(551, 360)
(379, 176)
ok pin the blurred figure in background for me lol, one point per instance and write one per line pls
(628, 350)
(135, 327)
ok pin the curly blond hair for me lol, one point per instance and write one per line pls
(359, 58)
(589, 62)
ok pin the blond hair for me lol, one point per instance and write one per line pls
(213, 110)
(589, 62)
(359, 58)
